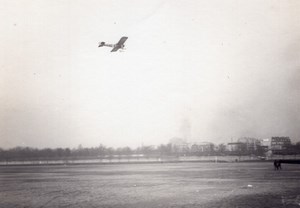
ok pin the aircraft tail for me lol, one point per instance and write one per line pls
(101, 44)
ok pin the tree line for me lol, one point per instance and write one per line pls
(29, 153)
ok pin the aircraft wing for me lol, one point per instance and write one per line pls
(119, 44)
(122, 41)
(117, 47)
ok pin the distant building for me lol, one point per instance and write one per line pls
(236, 147)
(266, 143)
(203, 147)
(279, 144)
(252, 144)
(179, 145)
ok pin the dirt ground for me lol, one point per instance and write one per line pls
(184, 185)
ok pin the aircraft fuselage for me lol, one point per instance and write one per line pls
(108, 45)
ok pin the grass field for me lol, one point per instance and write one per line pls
(175, 185)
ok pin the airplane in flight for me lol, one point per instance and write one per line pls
(117, 46)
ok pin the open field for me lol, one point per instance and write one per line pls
(173, 185)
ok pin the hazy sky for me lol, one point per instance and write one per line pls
(226, 68)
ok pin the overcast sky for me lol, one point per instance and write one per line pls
(224, 69)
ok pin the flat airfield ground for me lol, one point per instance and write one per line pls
(184, 185)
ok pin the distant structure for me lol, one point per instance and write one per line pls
(266, 142)
(252, 144)
(235, 146)
(179, 145)
(203, 147)
(279, 144)
(266, 146)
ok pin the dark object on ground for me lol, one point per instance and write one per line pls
(290, 161)
(277, 164)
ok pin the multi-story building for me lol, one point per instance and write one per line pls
(279, 144)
